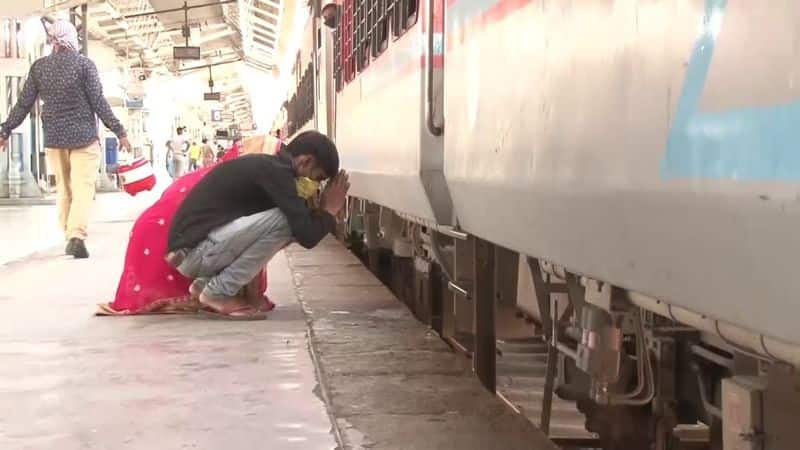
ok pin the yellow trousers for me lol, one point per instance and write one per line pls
(76, 174)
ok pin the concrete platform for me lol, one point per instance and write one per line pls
(389, 381)
(372, 377)
(71, 381)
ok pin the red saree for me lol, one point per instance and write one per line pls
(148, 284)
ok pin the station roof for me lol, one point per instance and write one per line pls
(230, 33)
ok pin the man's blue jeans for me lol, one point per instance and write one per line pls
(233, 254)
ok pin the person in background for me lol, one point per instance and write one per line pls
(69, 87)
(194, 156)
(235, 149)
(180, 156)
(207, 153)
(279, 145)
(170, 164)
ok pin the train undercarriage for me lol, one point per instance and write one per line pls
(591, 364)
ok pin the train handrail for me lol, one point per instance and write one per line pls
(434, 129)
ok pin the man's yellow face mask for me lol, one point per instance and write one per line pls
(306, 187)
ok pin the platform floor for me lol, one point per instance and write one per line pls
(372, 376)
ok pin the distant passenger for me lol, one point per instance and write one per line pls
(169, 160)
(194, 156)
(280, 144)
(235, 149)
(72, 98)
(243, 212)
(207, 153)
(180, 159)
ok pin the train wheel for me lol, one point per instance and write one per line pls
(619, 427)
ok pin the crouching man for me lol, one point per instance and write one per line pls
(246, 210)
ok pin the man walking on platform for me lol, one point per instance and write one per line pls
(69, 86)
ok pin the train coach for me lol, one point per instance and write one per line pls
(597, 201)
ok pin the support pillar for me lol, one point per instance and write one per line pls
(485, 339)
(78, 16)
(16, 179)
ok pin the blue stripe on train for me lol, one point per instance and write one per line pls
(752, 143)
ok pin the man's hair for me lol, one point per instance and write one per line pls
(205, 140)
(318, 145)
(179, 130)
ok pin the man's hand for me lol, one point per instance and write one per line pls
(335, 194)
(2, 144)
(125, 144)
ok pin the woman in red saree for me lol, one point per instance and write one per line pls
(234, 151)
(148, 284)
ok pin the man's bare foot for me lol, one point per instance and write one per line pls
(230, 306)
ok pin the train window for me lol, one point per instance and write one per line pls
(404, 15)
(380, 32)
(360, 26)
(363, 33)
(364, 24)
(300, 108)
(346, 43)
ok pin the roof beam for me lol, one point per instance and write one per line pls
(266, 26)
(260, 33)
(204, 38)
(182, 8)
(264, 12)
(65, 4)
(272, 20)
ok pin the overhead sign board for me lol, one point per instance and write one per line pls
(216, 115)
(186, 52)
(212, 96)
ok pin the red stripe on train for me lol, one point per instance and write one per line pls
(496, 13)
